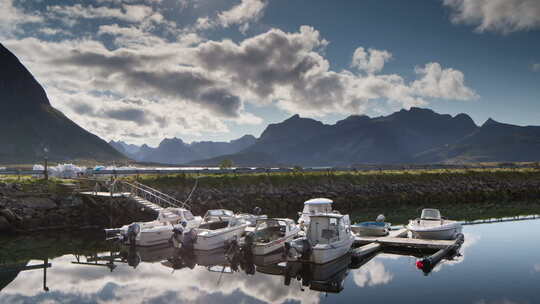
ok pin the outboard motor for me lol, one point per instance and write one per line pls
(380, 218)
(248, 243)
(133, 231)
(306, 250)
(189, 238)
(178, 236)
(287, 249)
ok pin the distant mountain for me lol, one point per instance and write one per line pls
(29, 123)
(493, 141)
(408, 136)
(175, 151)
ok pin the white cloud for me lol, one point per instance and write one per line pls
(185, 84)
(242, 14)
(503, 16)
(437, 82)
(128, 13)
(287, 68)
(13, 17)
(370, 61)
(535, 67)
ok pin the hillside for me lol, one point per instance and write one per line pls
(408, 136)
(29, 123)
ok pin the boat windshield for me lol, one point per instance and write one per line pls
(317, 208)
(220, 212)
(431, 214)
(188, 215)
(323, 230)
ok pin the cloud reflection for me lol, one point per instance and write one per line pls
(148, 283)
(371, 274)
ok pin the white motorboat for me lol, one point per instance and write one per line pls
(312, 206)
(211, 234)
(270, 235)
(431, 225)
(328, 237)
(377, 228)
(158, 231)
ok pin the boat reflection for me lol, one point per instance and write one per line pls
(328, 278)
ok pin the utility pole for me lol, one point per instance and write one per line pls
(46, 171)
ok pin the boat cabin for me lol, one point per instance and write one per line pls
(272, 229)
(313, 206)
(431, 214)
(328, 228)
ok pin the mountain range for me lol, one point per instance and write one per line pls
(408, 136)
(175, 151)
(29, 123)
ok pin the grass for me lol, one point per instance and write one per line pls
(358, 177)
(31, 184)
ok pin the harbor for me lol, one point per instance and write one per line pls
(90, 267)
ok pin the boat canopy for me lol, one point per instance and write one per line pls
(318, 201)
(317, 205)
(430, 214)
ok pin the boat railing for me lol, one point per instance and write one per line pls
(161, 194)
(153, 195)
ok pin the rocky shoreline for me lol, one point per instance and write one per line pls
(38, 210)
(363, 196)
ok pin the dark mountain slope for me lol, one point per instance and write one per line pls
(28, 122)
(493, 141)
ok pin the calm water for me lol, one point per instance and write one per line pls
(500, 263)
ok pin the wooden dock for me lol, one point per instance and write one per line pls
(397, 239)
(105, 194)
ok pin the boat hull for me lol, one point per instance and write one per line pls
(218, 239)
(446, 233)
(370, 230)
(323, 254)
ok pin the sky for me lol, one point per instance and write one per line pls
(143, 70)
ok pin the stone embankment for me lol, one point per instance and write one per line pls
(357, 194)
(458, 195)
(38, 210)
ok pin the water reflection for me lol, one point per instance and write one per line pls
(108, 273)
(161, 272)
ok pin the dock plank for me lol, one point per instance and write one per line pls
(104, 194)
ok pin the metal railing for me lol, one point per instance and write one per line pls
(149, 194)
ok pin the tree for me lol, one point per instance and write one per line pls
(226, 164)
